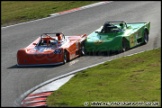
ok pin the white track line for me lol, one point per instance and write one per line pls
(61, 13)
(36, 88)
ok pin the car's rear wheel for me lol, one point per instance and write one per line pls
(146, 37)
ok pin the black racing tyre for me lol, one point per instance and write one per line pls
(146, 37)
(65, 57)
(82, 50)
(124, 45)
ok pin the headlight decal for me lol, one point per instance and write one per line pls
(57, 51)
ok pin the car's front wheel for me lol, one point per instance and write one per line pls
(82, 50)
(65, 57)
(124, 45)
(146, 37)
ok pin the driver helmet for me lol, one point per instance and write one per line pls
(60, 36)
(122, 25)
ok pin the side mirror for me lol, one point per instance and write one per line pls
(34, 44)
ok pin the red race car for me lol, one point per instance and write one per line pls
(51, 49)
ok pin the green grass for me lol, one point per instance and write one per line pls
(19, 11)
(128, 79)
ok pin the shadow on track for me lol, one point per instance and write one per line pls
(25, 67)
(111, 53)
(88, 54)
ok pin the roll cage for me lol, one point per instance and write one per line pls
(48, 39)
(114, 26)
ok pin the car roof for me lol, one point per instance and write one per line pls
(54, 34)
(109, 22)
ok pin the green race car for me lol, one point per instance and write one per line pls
(117, 36)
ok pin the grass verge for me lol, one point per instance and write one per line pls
(13, 12)
(128, 79)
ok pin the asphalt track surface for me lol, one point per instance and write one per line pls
(15, 81)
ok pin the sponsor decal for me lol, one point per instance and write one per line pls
(98, 42)
(132, 40)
